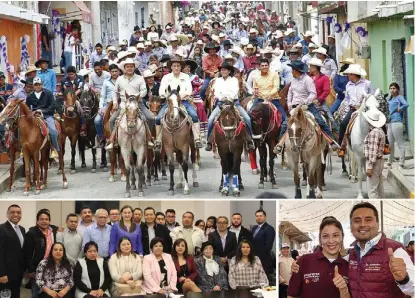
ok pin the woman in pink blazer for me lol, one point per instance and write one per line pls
(158, 269)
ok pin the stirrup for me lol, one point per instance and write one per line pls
(277, 149)
(208, 147)
(198, 144)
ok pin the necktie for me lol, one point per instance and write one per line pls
(256, 231)
(19, 234)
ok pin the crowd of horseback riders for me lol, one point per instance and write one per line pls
(236, 63)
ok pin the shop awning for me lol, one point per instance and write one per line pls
(81, 5)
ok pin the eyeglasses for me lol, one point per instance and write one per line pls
(222, 223)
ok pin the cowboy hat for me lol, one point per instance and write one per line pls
(312, 46)
(355, 69)
(236, 50)
(165, 58)
(277, 34)
(321, 50)
(227, 42)
(298, 45)
(84, 72)
(193, 65)
(307, 34)
(148, 43)
(331, 36)
(348, 61)
(140, 45)
(30, 69)
(122, 55)
(211, 45)
(222, 35)
(111, 48)
(289, 31)
(28, 81)
(253, 30)
(292, 50)
(129, 61)
(375, 117)
(298, 65)
(315, 62)
(168, 26)
(200, 42)
(153, 67)
(159, 42)
(37, 80)
(175, 60)
(228, 67)
(173, 38)
(40, 61)
(182, 38)
(228, 57)
(180, 52)
(123, 42)
(148, 73)
(250, 46)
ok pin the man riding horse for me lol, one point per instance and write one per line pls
(43, 103)
(303, 92)
(177, 79)
(227, 88)
(131, 84)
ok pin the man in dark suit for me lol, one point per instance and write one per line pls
(224, 242)
(11, 251)
(36, 246)
(264, 236)
(150, 229)
(241, 232)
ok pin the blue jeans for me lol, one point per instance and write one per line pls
(326, 109)
(50, 122)
(204, 87)
(335, 106)
(189, 108)
(216, 111)
(99, 125)
(35, 291)
(68, 60)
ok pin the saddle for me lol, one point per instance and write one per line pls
(42, 126)
(350, 127)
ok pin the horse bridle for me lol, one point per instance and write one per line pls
(86, 108)
(302, 138)
(228, 128)
(132, 129)
(66, 105)
(173, 125)
(16, 115)
(271, 124)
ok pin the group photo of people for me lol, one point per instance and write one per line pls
(113, 250)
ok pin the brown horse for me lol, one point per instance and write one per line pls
(35, 145)
(156, 161)
(230, 136)
(115, 153)
(70, 125)
(177, 137)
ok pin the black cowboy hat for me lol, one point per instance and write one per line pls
(171, 61)
(193, 65)
(228, 67)
(40, 61)
(165, 58)
(227, 42)
(28, 81)
(211, 45)
(215, 22)
(298, 65)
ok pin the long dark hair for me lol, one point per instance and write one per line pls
(133, 224)
(238, 255)
(119, 253)
(214, 222)
(174, 252)
(51, 264)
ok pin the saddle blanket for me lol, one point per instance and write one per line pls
(42, 126)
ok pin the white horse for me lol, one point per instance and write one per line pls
(358, 134)
(132, 138)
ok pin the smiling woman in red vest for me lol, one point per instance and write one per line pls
(324, 271)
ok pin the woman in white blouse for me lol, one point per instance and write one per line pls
(126, 270)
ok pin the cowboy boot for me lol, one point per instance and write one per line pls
(111, 140)
(196, 135)
(250, 142)
(343, 146)
(280, 145)
(149, 137)
(333, 144)
(158, 138)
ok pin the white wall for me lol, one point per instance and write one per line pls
(138, 5)
(125, 19)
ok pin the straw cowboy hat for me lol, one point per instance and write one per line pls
(111, 48)
(375, 117)
(315, 62)
(173, 38)
(159, 42)
(355, 69)
(229, 57)
(222, 35)
(236, 50)
(321, 50)
(312, 46)
(148, 43)
(211, 45)
(307, 34)
(84, 72)
(148, 73)
(348, 61)
(289, 31)
(175, 60)
(183, 38)
(140, 45)
(129, 61)
(153, 67)
(132, 50)
(30, 69)
(122, 55)
(253, 30)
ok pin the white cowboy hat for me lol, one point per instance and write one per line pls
(111, 48)
(298, 46)
(153, 67)
(312, 46)
(236, 50)
(122, 43)
(122, 55)
(253, 30)
(267, 50)
(222, 35)
(348, 61)
(321, 50)
(148, 73)
(37, 80)
(168, 27)
(355, 69)
(129, 61)
(180, 52)
(375, 117)
(307, 34)
(315, 61)
(132, 50)
(148, 43)
(289, 31)
(278, 34)
(84, 72)
(173, 38)
(229, 56)
(331, 36)
(215, 38)
(31, 68)
(244, 41)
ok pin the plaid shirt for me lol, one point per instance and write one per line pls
(247, 275)
(373, 146)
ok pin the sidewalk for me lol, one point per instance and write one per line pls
(403, 180)
(5, 173)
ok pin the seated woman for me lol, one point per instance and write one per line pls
(212, 274)
(54, 274)
(185, 266)
(245, 269)
(126, 269)
(91, 274)
(158, 269)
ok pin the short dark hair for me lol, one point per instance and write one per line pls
(42, 211)
(98, 63)
(237, 213)
(71, 69)
(113, 66)
(365, 205)
(160, 213)
(410, 243)
(13, 206)
(264, 60)
(71, 215)
(113, 209)
(85, 207)
(156, 240)
(261, 210)
(98, 45)
(170, 211)
(89, 244)
(150, 208)
(191, 213)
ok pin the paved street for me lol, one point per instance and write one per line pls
(86, 185)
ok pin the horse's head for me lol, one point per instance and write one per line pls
(131, 111)
(155, 104)
(297, 126)
(260, 117)
(173, 101)
(371, 100)
(70, 103)
(11, 111)
(229, 119)
(88, 101)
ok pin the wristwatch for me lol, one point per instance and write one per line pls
(404, 281)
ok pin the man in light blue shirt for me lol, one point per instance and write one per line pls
(100, 233)
(96, 56)
(47, 76)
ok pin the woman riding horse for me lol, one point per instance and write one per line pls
(177, 79)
